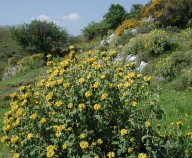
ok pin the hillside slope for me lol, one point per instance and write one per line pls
(8, 49)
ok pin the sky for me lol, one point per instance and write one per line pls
(73, 15)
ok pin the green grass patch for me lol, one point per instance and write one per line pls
(177, 107)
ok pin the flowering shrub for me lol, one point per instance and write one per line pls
(85, 107)
(156, 42)
(166, 67)
(127, 24)
(170, 66)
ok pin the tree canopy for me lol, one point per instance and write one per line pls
(111, 20)
(115, 15)
(39, 36)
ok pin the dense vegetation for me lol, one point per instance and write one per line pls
(40, 36)
(90, 104)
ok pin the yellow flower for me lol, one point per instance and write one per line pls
(43, 120)
(82, 136)
(104, 96)
(94, 144)
(97, 107)
(100, 141)
(16, 155)
(49, 96)
(6, 128)
(124, 132)
(134, 103)
(66, 85)
(142, 155)
(50, 151)
(13, 95)
(29, 136)
(70, 129)
(102, 76)
(4, 138)
(179, 123)
(88, 94)
(58, 103)
(71, 47)
(96, 84)
(147, 124)
(120, 85)
(111, 154)
(130, 150)
(14, 139)
(89, 75)
(49, 56)
(147, 78)
(70, 105)
(33, 116)
(84, 145)
(127, 84)
(81, 80)
(111, 85)
(132, 139)
(64, 146)
(16, 123)
(82, 106)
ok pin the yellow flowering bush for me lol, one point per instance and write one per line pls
(170, 66)
(127, 24)
(155, 43)
(87, 106)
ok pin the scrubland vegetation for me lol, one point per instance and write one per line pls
(79, 101)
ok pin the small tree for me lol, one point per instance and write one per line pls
(95, 29)
(135, 11)
(115, 15)
(39, 36)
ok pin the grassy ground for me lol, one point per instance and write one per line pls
(177, 106)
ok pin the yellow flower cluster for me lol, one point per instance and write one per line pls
(84, 145)
(124, 132)
(127, 24)
(50, 151)
(142, 155)
(97, 107)
(147, 124)
(80, 102)
(111, 154)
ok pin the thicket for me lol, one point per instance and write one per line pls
(169, 12)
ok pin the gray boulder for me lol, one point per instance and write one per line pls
(10, 72)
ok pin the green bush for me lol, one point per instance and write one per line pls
(31, 62)
(184, 39)
(156, 42)
(184, 81)
(124, 39)
(87, 108)
(134, 45)
(39, 36)
(170, 67)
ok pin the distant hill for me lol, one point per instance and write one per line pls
(9, 26)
